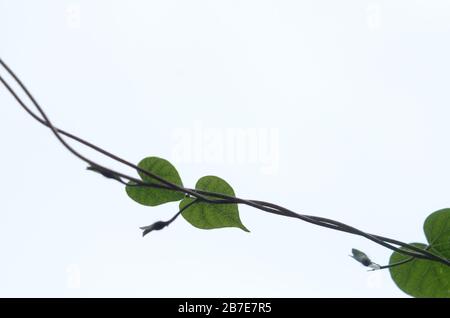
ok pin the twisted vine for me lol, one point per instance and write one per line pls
(209, 197)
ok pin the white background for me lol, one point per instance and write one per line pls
(357, 92)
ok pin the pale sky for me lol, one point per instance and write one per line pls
(332, 108)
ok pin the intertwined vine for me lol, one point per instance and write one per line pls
(421, 270)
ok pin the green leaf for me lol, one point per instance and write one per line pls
(424, 278)
(154, 196)
(437, 229)
(207, 216)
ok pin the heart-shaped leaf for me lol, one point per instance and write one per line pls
(207, 216)
(154, 196)
(424, 278)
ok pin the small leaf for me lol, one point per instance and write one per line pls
(207, 216)
(424, 278)
(154, 196)
(437, 229)
(361, 257)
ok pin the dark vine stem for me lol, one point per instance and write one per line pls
(406, 261)
(205, 196)
(159, 225)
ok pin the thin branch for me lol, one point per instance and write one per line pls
(209, 197)
(159, 225)
(57, 131)
(396, 264)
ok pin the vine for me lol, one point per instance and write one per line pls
(421, 270)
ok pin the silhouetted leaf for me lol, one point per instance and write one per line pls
(205, 215)
(424, 278)
(154, 196)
